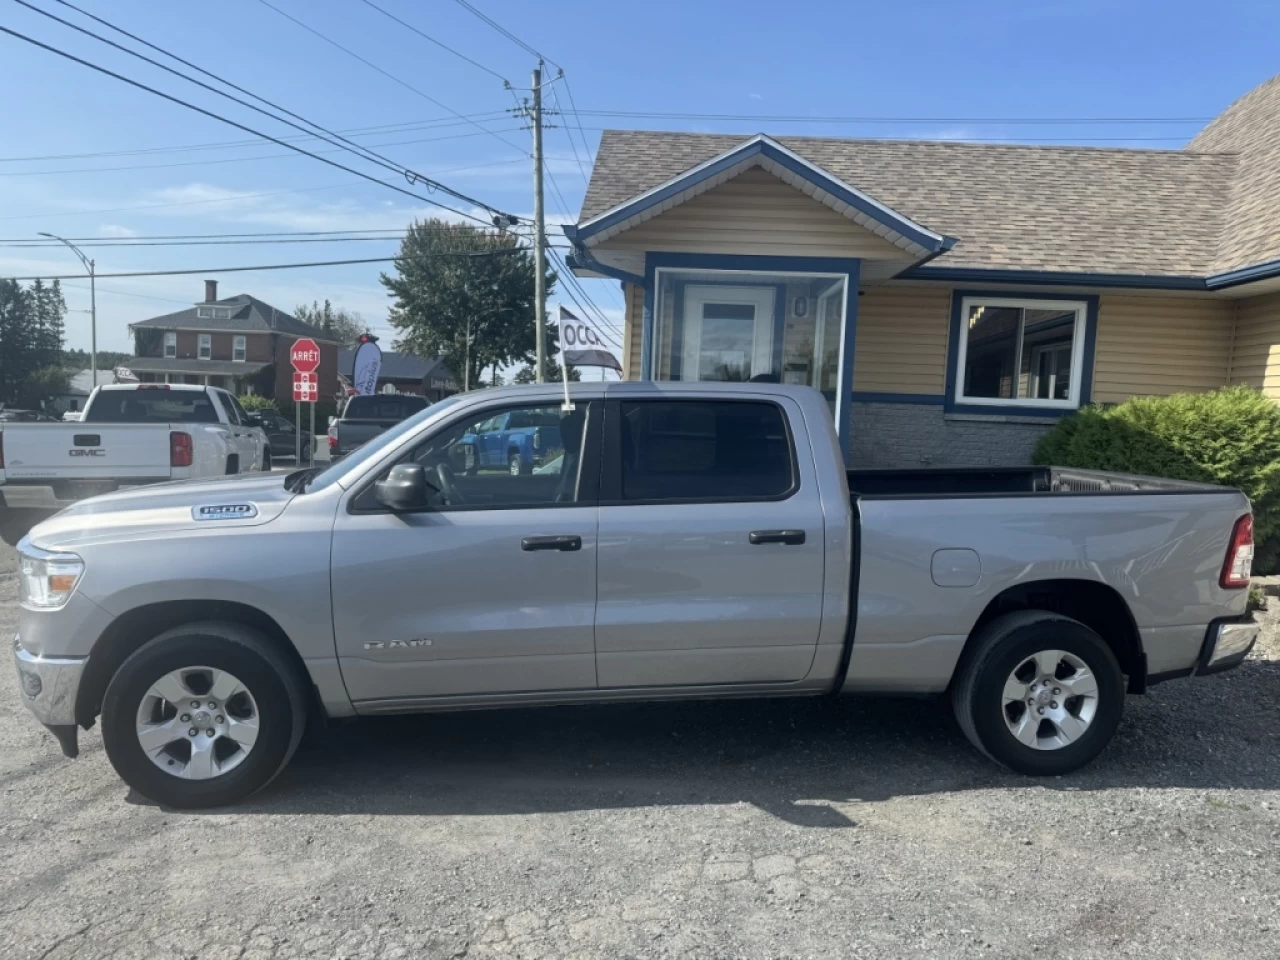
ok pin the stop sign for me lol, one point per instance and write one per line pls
(305, 355)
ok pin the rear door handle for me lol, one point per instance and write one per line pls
(792, 537)
(562, 543)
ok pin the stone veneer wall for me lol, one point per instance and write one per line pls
(919, 435)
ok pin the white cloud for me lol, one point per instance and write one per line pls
(954, 133)
(115, 230)
(756, 96)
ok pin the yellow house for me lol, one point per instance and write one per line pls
(950, 300)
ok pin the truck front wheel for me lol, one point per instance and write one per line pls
(1040, 693)
(203, 715)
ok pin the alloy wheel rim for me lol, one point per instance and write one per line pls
(197, 723)
(1050, 700)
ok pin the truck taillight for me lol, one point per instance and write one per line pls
(180, 454)
(333, 439)
(537, 440)
(1239, 562)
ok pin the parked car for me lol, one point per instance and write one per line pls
(9, 415)
(517, 442)
(282, 437)
(699, 540)
(363, 418)
(128, 435)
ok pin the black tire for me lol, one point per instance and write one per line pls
(517, 466)
(273, 681)
(266, 460)
(995, 652)
(233, 464)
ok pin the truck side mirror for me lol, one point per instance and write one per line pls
(404, 488)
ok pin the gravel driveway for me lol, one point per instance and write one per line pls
(843, 829)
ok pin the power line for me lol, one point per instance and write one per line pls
(385, 73)
(428, 37)
(402, 127)
(205, 236)
(577, 117)
(110, 245)
(361, 151)
(240, 126)
(608, 327)
(569, 132)
(465, 254)
(795, 118)
(505, 32)
(269, 156)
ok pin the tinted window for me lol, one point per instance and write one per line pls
(704, 450)
(538, 469)
(233, 416)
(240, 411)
(383, 408)
(151, 405)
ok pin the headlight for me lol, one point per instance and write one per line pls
(47, 580)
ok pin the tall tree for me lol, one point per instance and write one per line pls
(19, 356)
(342, 324)
(465, 294)
(48, 311)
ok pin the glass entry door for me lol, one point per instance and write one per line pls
(728, 332)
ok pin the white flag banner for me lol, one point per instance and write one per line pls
(368, 364)
(581, 344)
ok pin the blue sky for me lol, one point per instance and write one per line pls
(913, 59)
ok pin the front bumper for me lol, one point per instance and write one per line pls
(49, 685)
(1226, 645)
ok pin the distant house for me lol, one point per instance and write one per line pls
(238, 343)
(407, 374)
(79, 386)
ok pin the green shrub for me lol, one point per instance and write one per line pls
(254, 402)
(1230, 436)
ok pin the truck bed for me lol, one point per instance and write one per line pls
(1000, 481)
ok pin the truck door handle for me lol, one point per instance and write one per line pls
(792, 537)
(562, 543)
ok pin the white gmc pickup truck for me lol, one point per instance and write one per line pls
(129, 435)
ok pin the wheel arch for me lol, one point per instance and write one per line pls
(136, 627)
(1098, 606)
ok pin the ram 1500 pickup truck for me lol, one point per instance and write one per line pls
(127, 435)
(698, 540)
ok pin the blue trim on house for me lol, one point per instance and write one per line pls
(646, 328)
(923, 399)
(1012, 409)
(580, 259)
(763, 146)
(734, 261)
(1053, 278)
(1234, 278)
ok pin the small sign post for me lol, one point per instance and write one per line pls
(305, 357)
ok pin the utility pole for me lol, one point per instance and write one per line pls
(539, 229)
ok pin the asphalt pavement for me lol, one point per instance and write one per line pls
(774, 829)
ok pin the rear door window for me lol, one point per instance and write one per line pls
(151, 405)
(690, 450)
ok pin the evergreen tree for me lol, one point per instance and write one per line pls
(55, 325)
(19, 355)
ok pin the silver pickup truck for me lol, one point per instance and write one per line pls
(688, 540)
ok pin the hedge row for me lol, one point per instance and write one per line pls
(1230, 436)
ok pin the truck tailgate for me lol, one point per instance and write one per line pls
(35, 451)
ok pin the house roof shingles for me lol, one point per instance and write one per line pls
(1075, 209)
(250, 315)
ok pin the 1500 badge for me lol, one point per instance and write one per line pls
(225, 511)
(396, 644)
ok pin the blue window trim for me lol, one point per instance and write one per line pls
(922, 399)
(1060, 278)
(850, 268)
(761, 145)
(1012, 409)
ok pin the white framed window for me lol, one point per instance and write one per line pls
(1020, 352)
(170, 344)
(237, 349)
(206, 312)
(206, 346)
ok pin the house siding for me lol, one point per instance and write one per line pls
(755, 213)
(633, 326)
(901, 341)
(1255, 357)
(1156, 346)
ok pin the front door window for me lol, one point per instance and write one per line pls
(728, 332)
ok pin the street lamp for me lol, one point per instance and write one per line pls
(93, 304)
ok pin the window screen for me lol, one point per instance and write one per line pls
(705, 450)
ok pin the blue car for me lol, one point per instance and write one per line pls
(517, 441)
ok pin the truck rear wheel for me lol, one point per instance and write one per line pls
(204, 715)
(1039, 693)
(516, 465)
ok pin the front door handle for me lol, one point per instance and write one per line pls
(792, 537)
(563, 543)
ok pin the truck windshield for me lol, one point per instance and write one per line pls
(373, 449)
(382, 408)
(151, 405)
